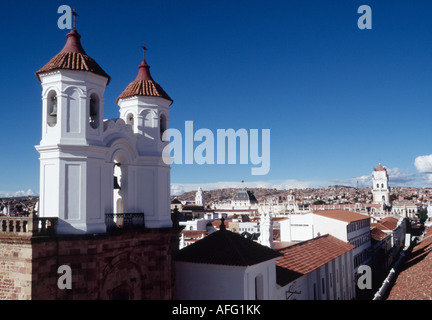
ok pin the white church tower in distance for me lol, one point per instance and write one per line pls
(199, 197)
(380, 186)
(90, 166)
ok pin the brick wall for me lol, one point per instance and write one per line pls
(15, 268)
(125, 265)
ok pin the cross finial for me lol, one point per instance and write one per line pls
(222, 225)
(74, 14)
(144, 50)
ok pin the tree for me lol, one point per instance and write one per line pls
(423, 215)
(318, 202)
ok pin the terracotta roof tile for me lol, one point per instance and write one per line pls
(306, 256)
(380, 168)
(414, 282)
(379, 226)
(378, 235)
(189, 234)
(144, 85)
(342, 215)
(390, 223)
(73, 57)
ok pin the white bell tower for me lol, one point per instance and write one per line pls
(199, 197)
(266, 228)
(380, 186)
(144, 105)
(71, 157)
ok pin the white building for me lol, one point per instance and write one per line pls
(347, 226)
(226, 266)
(298, 227)
(317, 269)
(406, 209)
(250, 227)
(380, 186)
(195, 224)
(90, 166)
(244, 199)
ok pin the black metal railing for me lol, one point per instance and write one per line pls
(116, 221)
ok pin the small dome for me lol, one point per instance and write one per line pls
(73, 57)
(245, 195)
(144, 85)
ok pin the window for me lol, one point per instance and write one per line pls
(130, 120)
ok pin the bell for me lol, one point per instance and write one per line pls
(54, 110)
(116, 184)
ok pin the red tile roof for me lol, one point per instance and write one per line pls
(306, 256)
(378, 235)
(193, 234)
(73, 57)
(342, 215)
(414, 282)
(389, 222)
(379, 226)
(380, 168)
(218, 223)
(144, 85)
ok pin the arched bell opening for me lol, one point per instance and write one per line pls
(162, 126)
(119, 186)
(52, 109)
(94, 111)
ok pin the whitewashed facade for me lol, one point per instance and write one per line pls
(81, 154)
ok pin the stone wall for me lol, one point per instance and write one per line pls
(15, 268)
(125, 265)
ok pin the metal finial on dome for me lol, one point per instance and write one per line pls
(74, 14)
(144, 50)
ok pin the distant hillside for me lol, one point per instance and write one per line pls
(228, 193)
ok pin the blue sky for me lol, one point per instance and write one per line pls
(338, 100)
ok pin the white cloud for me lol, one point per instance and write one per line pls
(423, 164)
(20, 193)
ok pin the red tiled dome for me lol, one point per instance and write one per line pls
(144, 85)
(73, 57)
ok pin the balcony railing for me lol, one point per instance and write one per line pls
(22, 225)
(116, 221)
